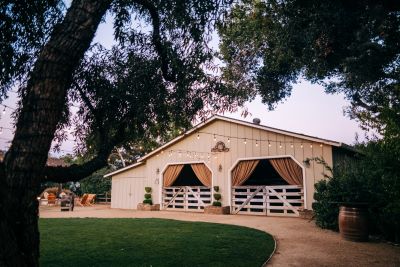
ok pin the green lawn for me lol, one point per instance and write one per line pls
(150, 242)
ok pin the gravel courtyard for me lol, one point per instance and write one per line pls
(299, 242)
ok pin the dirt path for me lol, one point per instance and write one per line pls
(299, 242)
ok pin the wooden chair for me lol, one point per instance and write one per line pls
(82, 201)
(90, 200)
(51, 199)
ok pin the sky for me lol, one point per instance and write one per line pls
(308, 110)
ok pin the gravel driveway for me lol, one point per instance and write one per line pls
(299, 242)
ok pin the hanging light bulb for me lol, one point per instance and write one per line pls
(321, 145)
(291, 145)
(269, 144)
(229, 140)
(215, 139)
(311, 146)
(301, 145)
(162, 151)
(256, 143)
(179, 154)
(198, 136)
(4, 110)
(280, 144)
(215, 157)
(245, 141)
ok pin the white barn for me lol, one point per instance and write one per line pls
(258, 169)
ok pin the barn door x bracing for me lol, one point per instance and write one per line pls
(283, 200)
(186, 198)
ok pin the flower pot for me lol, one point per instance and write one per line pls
(353, 223)
(217, 210)
(148, 207)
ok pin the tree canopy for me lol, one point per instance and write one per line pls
(157, 77)
(352, 47)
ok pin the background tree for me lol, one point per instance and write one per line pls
(173, 48)
(350, 47)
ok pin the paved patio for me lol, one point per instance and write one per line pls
(299, 242)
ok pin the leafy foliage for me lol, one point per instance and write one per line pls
(217, 204)
(148, 201)
(96, 183)
(349, 46)
(24, 28)
(217, 196)
(373, 179)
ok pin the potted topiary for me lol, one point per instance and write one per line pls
(147, 203)
(216, 207)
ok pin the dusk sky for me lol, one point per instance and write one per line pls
(309, 110)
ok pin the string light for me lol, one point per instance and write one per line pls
(4, 110)
(256, 143)
(291, 145)
(198, 136)
(311, 146)
(280, 145)
(321, 145)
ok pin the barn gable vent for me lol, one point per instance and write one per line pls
(256, 121)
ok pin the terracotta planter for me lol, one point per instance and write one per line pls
(353, 223)
(306, 214)
(148, 207)
(217, 210)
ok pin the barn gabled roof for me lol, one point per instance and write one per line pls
(240, 122)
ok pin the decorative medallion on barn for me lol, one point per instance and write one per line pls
(220, 147)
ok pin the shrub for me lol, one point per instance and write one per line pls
(374, 179)
(217, 196)
(216, 188)
(147, 189)
(148, 201)
(147, 196)
(217, 204)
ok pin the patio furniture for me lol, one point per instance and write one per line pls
(90, 200)
(51, 199)
(67, 203)
(82, 201)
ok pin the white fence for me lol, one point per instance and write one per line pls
(282, 200)
(186, 198)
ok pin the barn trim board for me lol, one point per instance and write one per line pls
(205, 138)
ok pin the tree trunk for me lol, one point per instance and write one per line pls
(37, 122)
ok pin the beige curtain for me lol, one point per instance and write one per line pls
(171, 173)
(242, 171)
(289, 170)
(203, 173)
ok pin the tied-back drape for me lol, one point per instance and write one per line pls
(171, 173)
(202, 173)
(242, 171)
(288, 170)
